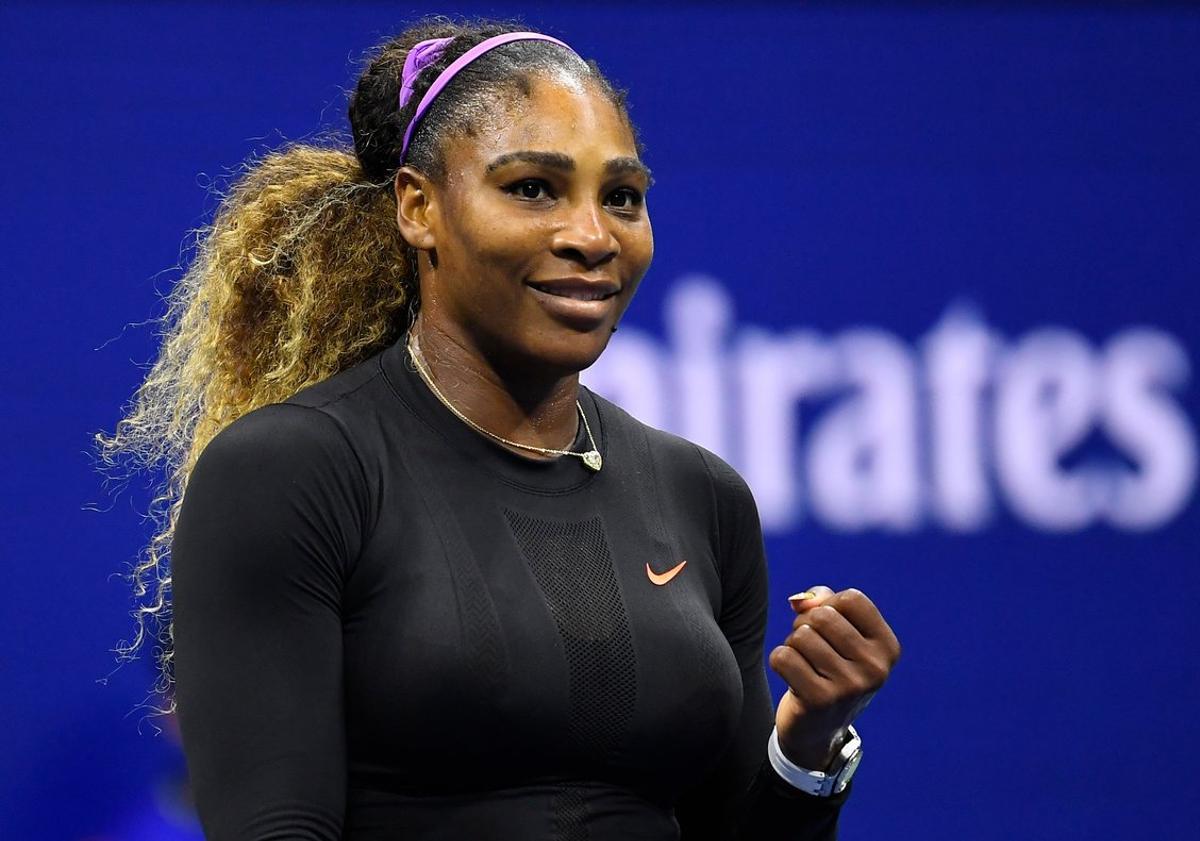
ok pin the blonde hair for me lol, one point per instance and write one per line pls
(302, 273)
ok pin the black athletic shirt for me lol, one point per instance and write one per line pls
(389, 627)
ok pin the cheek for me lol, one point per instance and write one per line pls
(500, 245)
(639, 247)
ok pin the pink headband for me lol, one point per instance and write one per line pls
(426, 53)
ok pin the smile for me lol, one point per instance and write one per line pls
(574, 293)
(576, 305)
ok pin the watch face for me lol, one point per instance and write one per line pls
(843, 777)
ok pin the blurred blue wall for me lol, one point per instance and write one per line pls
(926, 275)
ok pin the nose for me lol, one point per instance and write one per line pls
(585, 237)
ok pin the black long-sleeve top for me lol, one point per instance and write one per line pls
(387, 626)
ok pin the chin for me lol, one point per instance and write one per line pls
(573, 352)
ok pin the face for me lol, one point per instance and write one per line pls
(540, 230)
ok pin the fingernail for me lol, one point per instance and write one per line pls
(801, 597)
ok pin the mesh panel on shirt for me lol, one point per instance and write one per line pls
(570, 815)
(573, 567)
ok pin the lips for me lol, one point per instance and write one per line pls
(577, 302)
(577, 289)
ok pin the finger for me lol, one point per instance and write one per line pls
(810, 598)
(801, 678)
(862, 613)
(837, 631)
(864, 664)
(819, 653)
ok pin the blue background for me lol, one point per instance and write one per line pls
(832, 166)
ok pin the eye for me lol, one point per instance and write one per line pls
(530, 189)
(625, 198)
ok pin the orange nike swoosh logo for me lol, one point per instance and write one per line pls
(661, 578)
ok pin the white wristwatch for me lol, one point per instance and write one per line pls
(819, 783)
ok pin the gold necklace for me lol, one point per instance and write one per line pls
(591, 458)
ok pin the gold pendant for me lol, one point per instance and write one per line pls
(592, 459)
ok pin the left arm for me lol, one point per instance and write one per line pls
(743, 797)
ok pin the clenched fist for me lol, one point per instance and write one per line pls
(837, 657)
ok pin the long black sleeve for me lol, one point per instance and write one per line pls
(744, 798)
(259, 555)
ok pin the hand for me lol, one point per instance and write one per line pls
(837, 657)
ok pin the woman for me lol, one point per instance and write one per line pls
(425, 585)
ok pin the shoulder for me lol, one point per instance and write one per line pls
(681, 462)
(621, 424)
(282, 457)
(310, 432)
(284, 435)
(346, 391)
(277, 484)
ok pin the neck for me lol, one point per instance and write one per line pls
(520, 402)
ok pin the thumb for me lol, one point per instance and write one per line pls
(810, 598)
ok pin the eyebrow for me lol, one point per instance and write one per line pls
(565, 163)
(623, 166)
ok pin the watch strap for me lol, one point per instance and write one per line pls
(818, 783)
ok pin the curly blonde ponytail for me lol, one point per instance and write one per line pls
(302, 273)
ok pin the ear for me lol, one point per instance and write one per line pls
(416, 208)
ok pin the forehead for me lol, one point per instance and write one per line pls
(560, 115)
